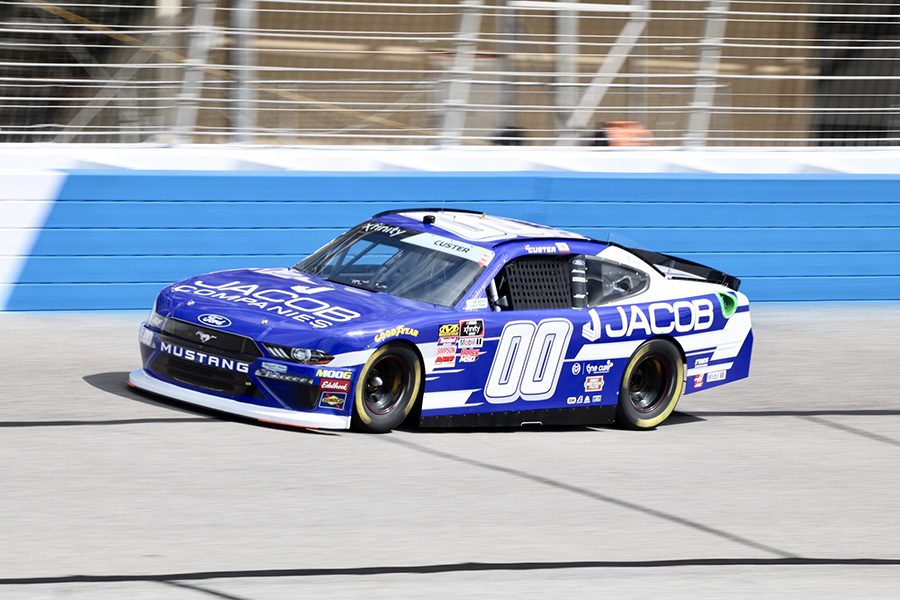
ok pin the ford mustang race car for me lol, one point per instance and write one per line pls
(456, 318)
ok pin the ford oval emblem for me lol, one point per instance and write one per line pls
(214, 320)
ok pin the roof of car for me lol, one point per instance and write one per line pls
(475, 227)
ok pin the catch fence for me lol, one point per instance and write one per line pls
(684, 73)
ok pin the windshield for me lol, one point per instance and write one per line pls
(406, 263)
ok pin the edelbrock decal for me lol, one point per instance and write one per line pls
(294, 303)
(659, 318)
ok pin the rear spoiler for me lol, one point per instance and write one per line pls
(679, 268)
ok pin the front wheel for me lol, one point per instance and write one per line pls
(651, 386)
(387, 390)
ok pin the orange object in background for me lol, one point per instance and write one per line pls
(627, 133)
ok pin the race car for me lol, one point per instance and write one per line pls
(451, 318)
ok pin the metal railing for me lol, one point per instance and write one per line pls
(517, 72)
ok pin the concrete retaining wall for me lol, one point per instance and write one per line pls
(112, 239)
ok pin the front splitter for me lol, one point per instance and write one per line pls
(144, 381)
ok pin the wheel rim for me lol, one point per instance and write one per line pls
(385, 385)
(649, 383)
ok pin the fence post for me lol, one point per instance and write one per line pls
(243, 24)
(463, 65)
(201, 38)
(566, 72)
(707, 69)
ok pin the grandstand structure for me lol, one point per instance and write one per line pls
(692, 73)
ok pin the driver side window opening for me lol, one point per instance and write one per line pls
(541, 282)
(533, 282)
(608, 282)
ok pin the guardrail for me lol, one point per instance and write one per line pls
(111, 239)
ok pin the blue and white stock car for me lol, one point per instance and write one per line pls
(458, 318)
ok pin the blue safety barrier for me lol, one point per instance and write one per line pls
(112, 239)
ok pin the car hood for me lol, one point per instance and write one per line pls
(275, 304)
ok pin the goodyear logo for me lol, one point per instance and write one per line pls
(448, 330)
(334, 374)
(396, 331)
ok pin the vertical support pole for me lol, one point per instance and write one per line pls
(243, 24)
(581, 116)
(201, 37)
(509, 31)
(707, 70)
(461, 73)
(566, 70)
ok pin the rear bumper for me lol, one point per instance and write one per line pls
(144, 381)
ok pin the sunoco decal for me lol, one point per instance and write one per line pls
(335, 400)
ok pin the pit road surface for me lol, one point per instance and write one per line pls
(781, 486)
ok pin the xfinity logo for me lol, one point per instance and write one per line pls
(205, 337)
(392, 231)
(214, 320)
(659, 318)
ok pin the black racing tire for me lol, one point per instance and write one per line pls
(388, 388)
(651, 386)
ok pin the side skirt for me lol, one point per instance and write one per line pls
(582, 415)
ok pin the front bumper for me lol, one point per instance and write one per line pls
(144, 381)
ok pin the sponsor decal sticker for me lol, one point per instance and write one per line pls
(467, 355)
(698, 380)
(476, 304)
(477, 254)
(471, 342)
(296, 302)
(390, 230)
(562, 246)
(446, 350)
(334, 374)
(541, 249)
(448, 330)
(334, 385)
(203, 358)
(601, 369)
(471, 327)
(214, 320)
(274, 367)
(445, 360)
(701, 362)
(594, 383)
(576, 368)
(335, 400)
(584, 399)
(396, 332)
(659, 318)
(715, 376)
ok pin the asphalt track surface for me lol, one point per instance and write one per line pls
(781, 486)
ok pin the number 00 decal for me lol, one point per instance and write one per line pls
(528, 361)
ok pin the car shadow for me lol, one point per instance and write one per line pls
(115, 383)
(410, 426)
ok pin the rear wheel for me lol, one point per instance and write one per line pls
(388, 387)
(651, 386)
